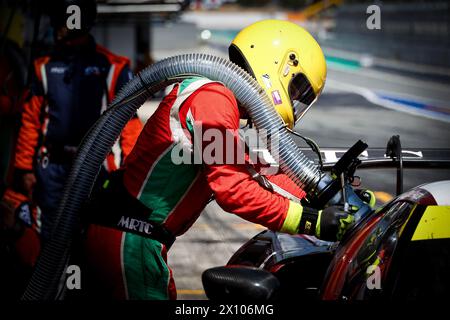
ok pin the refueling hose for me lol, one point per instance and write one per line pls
(98, 142)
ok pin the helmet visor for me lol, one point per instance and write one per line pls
(301, 94)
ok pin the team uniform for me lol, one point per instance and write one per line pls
(132, 266)
(71, 90)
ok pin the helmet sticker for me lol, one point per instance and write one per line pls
(24, 214)
(266, 80)
(286, 70)
(276, 97)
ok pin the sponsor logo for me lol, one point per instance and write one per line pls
(266, 80)
(137, 225)
(276, 97)
(92, 70)
(307, 227)
(24, 214)
(58, 70)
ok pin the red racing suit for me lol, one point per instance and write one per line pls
(176, 193)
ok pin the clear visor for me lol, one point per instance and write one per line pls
(301, 94)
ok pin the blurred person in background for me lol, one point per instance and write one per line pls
(13, 80)
(13, 65)
(71, 88)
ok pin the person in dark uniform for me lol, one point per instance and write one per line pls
(72, 87)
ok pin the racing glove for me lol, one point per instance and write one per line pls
(329, 224)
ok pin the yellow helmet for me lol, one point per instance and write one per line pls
(286, 61)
